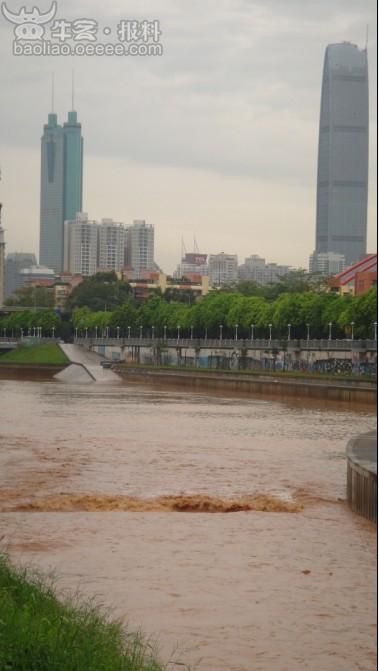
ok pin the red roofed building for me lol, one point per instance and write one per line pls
(358, 278)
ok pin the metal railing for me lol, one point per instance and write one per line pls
(201, 343)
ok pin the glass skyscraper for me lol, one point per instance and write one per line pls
(61, 185)
(341, 218)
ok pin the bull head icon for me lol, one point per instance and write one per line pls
(29, 24)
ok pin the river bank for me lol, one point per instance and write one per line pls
(351, 391)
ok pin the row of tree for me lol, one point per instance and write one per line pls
(223, 312)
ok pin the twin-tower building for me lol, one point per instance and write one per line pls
(61, 185)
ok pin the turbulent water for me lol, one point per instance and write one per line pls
(216, 524)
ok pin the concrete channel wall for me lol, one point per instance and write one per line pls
(256, 384)
(362, 475)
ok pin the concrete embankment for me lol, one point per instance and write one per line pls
(85, 367)
(362, 475)
(340, 390)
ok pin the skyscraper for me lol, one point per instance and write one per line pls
(341, 218)
(61, 185)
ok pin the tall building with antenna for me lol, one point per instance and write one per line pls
(342, 177)
(61, 183)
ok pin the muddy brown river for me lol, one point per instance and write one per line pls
(216, 524)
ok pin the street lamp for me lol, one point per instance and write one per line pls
(252, 331)
(76, 334)
(118, 332)
(236, 332)
(129, 328)
(86, 333)
(308, 327)
(330, 330)
(352, 330)
(107, 332)
(22, 333)
(178, 327)
(221, 327)
(153, 332)
(140, 332)
(270, 331)
(289, 331)
(191, 332)
(375, 330)
(96, 332)
(165, 332)
(53, 330)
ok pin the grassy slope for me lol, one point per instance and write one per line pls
(40, 633)
(48, 353)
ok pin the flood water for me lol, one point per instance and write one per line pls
(104, 486)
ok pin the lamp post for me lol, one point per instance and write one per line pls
(118, 332)
(76, 334)
(236, 332)
(270, 331)
(308, 327)
(221, 327)
(375, 330)
(96, 332)
(178, 327)
(152, 332)
(289, 331)
(53, 330)
(330, 330)
(107, 332)
(129, 332)
(86, 333)
(252, 331)
(165, 332)
(352, 330)
(191, 332)
(22, 333)
(140, 332)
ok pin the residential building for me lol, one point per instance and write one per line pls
(148, 284)
(223, 269)
(327, 263)
(255, 269)
(111, 245)
(81, 245)
(342, 176)
(61, 185)
(139, 255)
(15, 262)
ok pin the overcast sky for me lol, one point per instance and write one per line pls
(217, 138)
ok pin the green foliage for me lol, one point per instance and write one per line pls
(103, 291)
(17, 321)
(40, 297)
(40, 633)
(48, 353)
(228, 309)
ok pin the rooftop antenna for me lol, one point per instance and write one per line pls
(52, 92)
(195, 246)
(73, 90)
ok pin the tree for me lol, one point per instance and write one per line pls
(103, 291)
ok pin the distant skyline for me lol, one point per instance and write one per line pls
(217, 138)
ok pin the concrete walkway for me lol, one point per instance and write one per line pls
(85, 366)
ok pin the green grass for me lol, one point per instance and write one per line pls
(48, 353)
(38, 632)
(257, 372)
